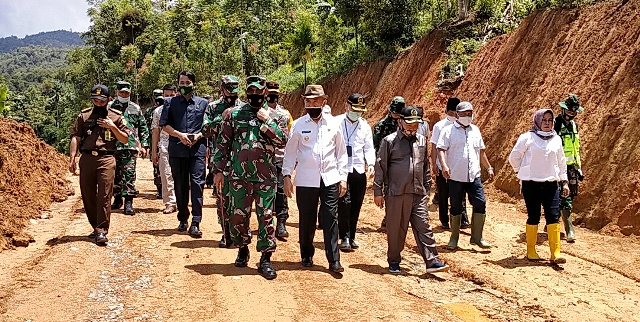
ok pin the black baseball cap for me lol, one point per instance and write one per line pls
(452, 102)
(411, 114)
(100, 92)
(357, 102)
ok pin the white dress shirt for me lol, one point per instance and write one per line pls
(163, 144)
(535, 159)
(463, 147)
(435, 135)
(319, 151)
(359, 137)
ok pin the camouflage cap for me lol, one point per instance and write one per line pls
(397, 104)
(257, 81)
(572, 103)
(230, 83)
(411, 114)
(123, 86)
(157, 92)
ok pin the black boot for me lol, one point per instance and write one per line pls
(128, 206)
(117, 202)
(281, 230)
(265, 268)
(243, 257)
(159, 193)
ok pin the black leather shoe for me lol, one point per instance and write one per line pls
(222, 243)
(265, 268)
(128, 206)
(307, 262)
(117, 203)
(281, 230)
(336, 267)
(194, 230)
(92, 235)
(345, 246)
(354, 245)
(101, 239)
(243, 257)
(226, 241)
(183, 226)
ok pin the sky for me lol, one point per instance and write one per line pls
(27, 17)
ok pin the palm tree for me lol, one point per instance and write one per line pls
(301, 43)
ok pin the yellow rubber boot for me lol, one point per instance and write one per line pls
(532, 239)
(553, 232)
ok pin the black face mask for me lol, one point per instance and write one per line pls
(231, 99)
(314, 113)
(256, 100)
(159, 102)
(272, 98)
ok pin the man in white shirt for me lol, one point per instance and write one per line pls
(442, 185)
(317, 146)
(460, 151)
(361, 155)
(160, 152)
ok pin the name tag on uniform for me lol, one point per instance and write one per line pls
(306, 132)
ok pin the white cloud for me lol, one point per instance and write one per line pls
(26, 17)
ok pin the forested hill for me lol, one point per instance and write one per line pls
(58, 38)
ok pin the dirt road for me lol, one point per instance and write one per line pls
(150, 272)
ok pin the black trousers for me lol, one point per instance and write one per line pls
(281, 204)
(307, 201)
(188, 174)
(545, 194)
(442, 184)
(350, 204)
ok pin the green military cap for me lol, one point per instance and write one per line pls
(230, 83)
(123, 86)
(411, 114)
(256, 81)
(397, 104)
(572, 103)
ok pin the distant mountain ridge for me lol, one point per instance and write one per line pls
(58, 38)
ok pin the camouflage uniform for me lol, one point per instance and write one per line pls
(284, 119)
(383, 128)
(126, 154)
(246, 150)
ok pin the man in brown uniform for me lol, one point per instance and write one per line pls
(94, 134)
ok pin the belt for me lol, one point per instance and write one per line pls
(97, 153)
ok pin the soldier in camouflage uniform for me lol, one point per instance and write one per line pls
(126, 154)
(149, 117)
(249, 138)
(211, 130)
(281, 203)
(386, 126)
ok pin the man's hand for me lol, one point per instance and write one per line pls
(434, 171)
(72, 165)
(154, 158)
(106, 123)
(288, 187)
(218, 180)
(565, 190)
(144, 152)
(370, 171)
(446, 172)
(379, 200)
(196, 137)
(183, 138)
(343, 188)
(491, 175)
(263, 115)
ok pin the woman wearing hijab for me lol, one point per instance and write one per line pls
(539, 160)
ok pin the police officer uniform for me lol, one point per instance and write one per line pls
(97, 163)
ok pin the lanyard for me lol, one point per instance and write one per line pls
(353, 131)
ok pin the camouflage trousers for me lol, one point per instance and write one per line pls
(243, 194)
(224, 206)
(566, 203)
(125, 181)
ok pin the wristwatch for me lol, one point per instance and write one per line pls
(490, 169)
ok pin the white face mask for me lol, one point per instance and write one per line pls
(451, 118)
(465, 120)
(543, 133)
(123, 99)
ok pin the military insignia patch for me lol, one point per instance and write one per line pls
(306, 139)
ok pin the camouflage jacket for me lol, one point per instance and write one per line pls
(213, 120)
(137, 123)
(247, 145)
(284, 119)
(383, 128)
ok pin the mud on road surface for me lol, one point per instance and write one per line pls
(151, 272)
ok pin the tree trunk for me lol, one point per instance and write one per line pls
(463, 9)
(304, 65)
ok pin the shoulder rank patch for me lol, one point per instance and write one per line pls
(86, 110)
(115, 111)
